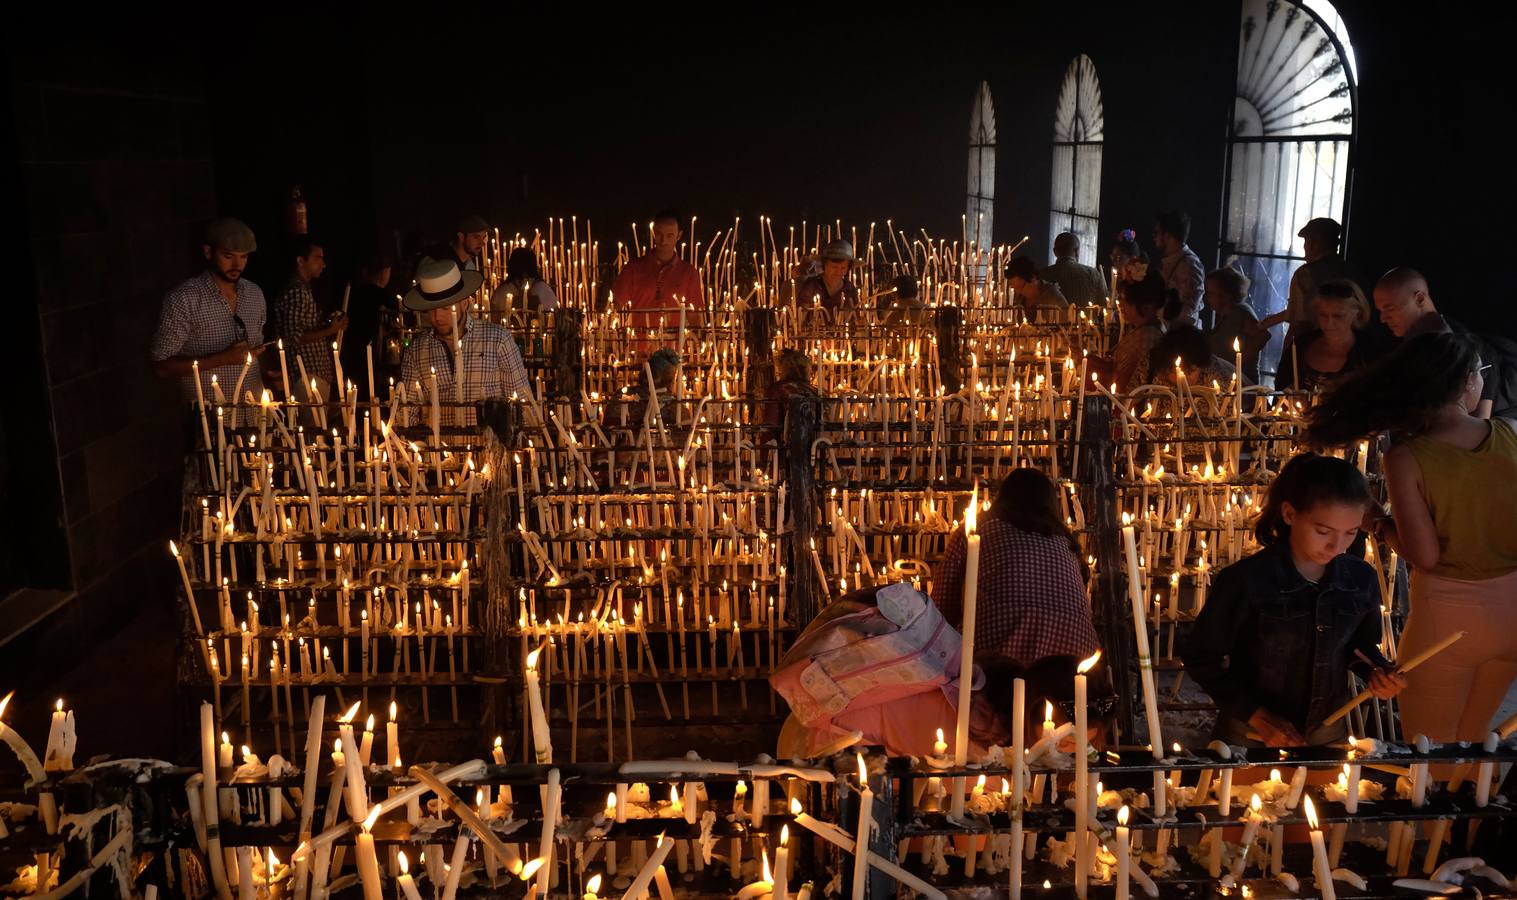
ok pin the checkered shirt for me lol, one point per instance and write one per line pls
(296, 311)
(1031, 602)
(491, 362)
(196, 321)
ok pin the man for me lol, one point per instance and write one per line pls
(1180, 268)
(1034, 292)
(658, 283)
(1320, 239)
(302, 326)
(1081, 285)
(480, 352)
(215, 320)
(469, 243)
(1407, 309)
(831, 288)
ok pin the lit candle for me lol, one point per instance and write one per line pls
(1320, 867)
(782, 866)
(592, 887)
(392, 738)
(761, 888)
(22, 749)
(1250, 831)
(1140, 630)
(52, 754)
(224, 753)
(644, 877)
(368, 862)
(1082, 775)
(406, 882)
(966, 659)
(866, 822)
(1124, 862)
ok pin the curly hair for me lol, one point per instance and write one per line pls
(1399, 394)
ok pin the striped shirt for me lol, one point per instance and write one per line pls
(492, 367)
(196, 321)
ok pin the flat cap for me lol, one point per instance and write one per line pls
(230, 234)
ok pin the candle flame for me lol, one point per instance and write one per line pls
(530, 869)
(784, 835)
(405, 865)
(593, 885)
(59, 705)
(795, 806)
(970, 514)
(1311, 813)
(1254, 804)
(768, 875)
(1122, 815)
(368, 822)
(1048, 710)
(6, 701)
(1088, 663)
(532, 658)
(611, 800)
(392, 710)
(863, 770)
(369, 725)
(347, 717)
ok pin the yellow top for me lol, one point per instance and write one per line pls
(1472, 495)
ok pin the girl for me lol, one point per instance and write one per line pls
(1452, 479)
(1140, 304)
(1282, 628)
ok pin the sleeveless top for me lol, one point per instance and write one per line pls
(1472, 495)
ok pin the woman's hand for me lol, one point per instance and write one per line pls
(1274, 730)
(1386, 685)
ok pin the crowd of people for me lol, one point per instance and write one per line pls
(1281, 630)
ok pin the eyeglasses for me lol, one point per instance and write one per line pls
(242, 329)
(1482, 369)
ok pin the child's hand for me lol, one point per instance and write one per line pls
(1274, 730)
(1386, 685)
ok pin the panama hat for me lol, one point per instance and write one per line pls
(439, 283)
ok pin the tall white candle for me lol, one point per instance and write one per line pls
(1018, 781)
(966, 660)
(1124, 862)
(1082, 775)
(644, 877)
(1140, 630)
(1320, 867)
(782, 866)
(866, 823)
(368, 862)
(542, 742)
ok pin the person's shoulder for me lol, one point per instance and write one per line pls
(250, 290)
(194, 285)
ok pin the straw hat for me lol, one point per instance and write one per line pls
(439, 283)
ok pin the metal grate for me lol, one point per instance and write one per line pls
(1078, 136)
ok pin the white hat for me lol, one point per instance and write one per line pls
(439, 283)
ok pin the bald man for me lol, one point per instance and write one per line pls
(1407, 309)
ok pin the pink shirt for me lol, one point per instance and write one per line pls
(645, 284)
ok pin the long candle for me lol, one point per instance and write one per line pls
(1082, 775)
(1018, 781)
(368, 862)
(781, 876)
(1124, 862)
(1140, 630)
(542, 742)
(20, 747)
(966, 659)
(644, 877)
(1320, 867)
(866, 822)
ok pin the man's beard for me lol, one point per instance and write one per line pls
(230, 277)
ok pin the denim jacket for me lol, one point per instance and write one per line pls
(1268, 637)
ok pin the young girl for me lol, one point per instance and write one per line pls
(1452, 478)
(1282, 628)
(1140, 303)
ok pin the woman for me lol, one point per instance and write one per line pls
(1282, 628)
(1234, 321)
(523, 279)
(1194, 351)
(1140, 303)
(1335, 347)
(1452, 480)
(1031, 601)
(1125, 250)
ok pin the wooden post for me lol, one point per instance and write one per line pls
(568, 341)
(1109, 606)
(950, 325)
(802, 421)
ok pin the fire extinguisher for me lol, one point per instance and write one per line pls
(298, 222)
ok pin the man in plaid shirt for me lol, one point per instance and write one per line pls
(489, 359)
(214, 319)
(1032, 602)
(302, 326)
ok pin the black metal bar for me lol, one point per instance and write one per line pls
(950, 328)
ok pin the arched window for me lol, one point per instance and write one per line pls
(980, 220)
(1078, 132)
(1290, 141)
